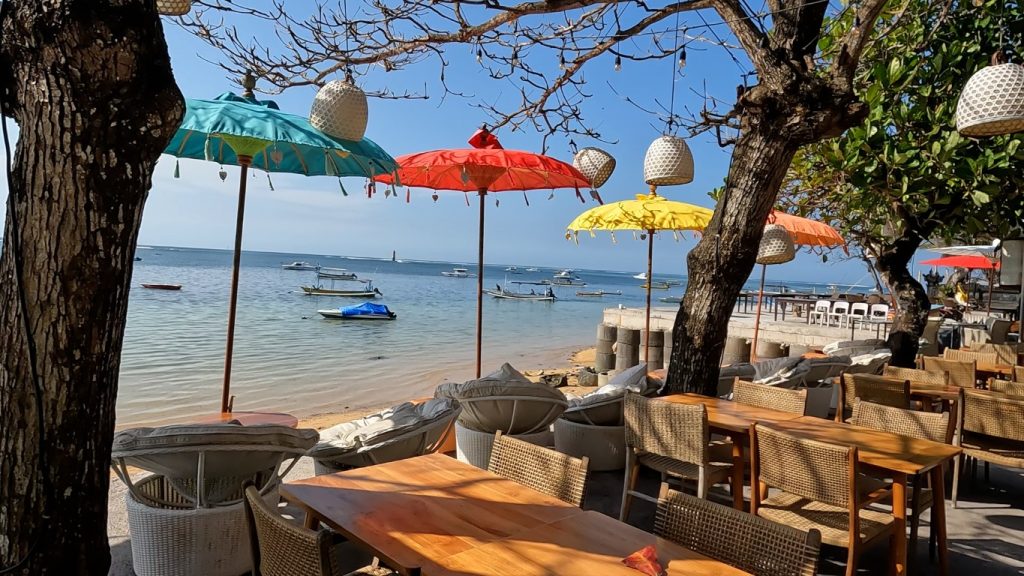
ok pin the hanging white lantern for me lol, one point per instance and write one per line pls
(992, 102)
(594, 163)
(776, 246)
(173, 7)
(668, 162)
(339, 110)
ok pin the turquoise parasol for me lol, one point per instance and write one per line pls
(244, 131)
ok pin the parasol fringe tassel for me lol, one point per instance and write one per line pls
(467, 199)
(393, 191)
(614, 241)
(525, 199)
(594, 194)
(634, 235)
(208, 150)
(580, 196)
(675, 236)
(497, 202)
(329, 167)
(551, 196)
(270, 182)
(465, 176)
(177, 169)
(395, 178)
(408, 195)
(592, 235)
(342, 186)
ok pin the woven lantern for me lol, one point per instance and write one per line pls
(992, 102)
(173, 7)
(776, 246)
(339, 110)
(668, 162)
(594, 163)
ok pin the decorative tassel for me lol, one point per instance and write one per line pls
(580, 196)
(576, 238)
(177, 169)
(270, 182)
(387, 192)
(551, 196)
(395, 178)
(592, 235)
(497, 202)
(343, 191)
(467, 199)
(527, 200)
(208, 150)
(614, 241)
(329, 168)
(596, 196)
(408, 195)
(393, 191)
(634, 235)
(675, 236)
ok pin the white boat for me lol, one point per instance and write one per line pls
(531, 269)
(298, 265)
(512, 270)
(671, 299)
(565, 277)
(643, 276)
(364, 311)
(640, 276)
(365, 291)
(598, 293)
(506, 294)
(336, 273)
(656, 285)
(458, 273)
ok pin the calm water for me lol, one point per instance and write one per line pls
(288, 358)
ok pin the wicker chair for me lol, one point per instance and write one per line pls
(542, 469)
(970, 356)
(771, 397)
(937, 427)
(674, 440)
(962, 374)
(1018, 373)
(918, 377)
(281, 548)
(992, 431)
(736, 538)
(1005, 353)
(816, 490)
(878, 389)
(1012, 389)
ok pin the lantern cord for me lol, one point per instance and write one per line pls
(672, 97)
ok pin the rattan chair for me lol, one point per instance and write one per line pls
(962, 374)
(674, 440)
(818, 488)
(917, 376)
(736, 538)
(772, 397)
(281, 548)
(970, 355)
(870, 388)
(540, 468)
(937, 427)
(1018, 373)
(1005, 353)
(992, 431)
(1012, 389)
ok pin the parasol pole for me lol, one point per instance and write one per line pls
(757, 316)
(991, 281)
(480, 283)
(650, 278)
(225, 397)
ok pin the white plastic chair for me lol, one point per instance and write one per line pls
(840, 310)
(820, 312)
(878, 313)
(858, 313)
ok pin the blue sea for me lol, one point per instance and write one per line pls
(288, 358)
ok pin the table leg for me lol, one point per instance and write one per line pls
(311, 520)
(898, 553)
(938, 520)
(737, 473)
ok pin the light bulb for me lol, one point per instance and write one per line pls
(561, 62)
(479, 56)
(618, 63)
(515, 58)
(682, 57)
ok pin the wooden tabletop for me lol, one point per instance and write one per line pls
(583, 545)
(420, 510)
(1000, 369)
(729, 415)
(875, 447)
(249, 418)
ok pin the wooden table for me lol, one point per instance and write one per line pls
(447, 517)
(986, 369)
(807, 303)
(733, 419)
(587, 544)
(900, 457)
(249, 418)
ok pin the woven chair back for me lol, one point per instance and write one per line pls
(807, 468)
(1013, 389)
(970, 355)
(747, 542)
(677, 431)
(281, 547)
(925, 425)
(917, 376)
(540, 468)
(770, 397)
(1005, 353)
(1018, 373)
(997, 416)
(878, 389)
(999, 331)
(962, 374)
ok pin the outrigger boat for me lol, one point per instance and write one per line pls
(364, 311)
(366, 291)
(599, 293)
(162, 286)
(458, 273)
(297, 265)
(506, 294)
(656, 285)
(512, 270)
(336, 274)
(671, 299)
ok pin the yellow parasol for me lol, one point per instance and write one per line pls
(649, 213)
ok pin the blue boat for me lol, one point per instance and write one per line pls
(364, 311)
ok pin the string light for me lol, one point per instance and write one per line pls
(618, 63)
(515, 57)
(479, 55)
(561, 61)
(682, 57)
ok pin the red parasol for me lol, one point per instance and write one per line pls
(487, 167)
(969, 262)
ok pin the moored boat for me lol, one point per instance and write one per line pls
(364, 311)
(336, 273)
(506, 294)
(657, 285)
(599, 293)
(513, 270)
(162, 286)
(671, 299)
(299, 265)
(366, 290)
(458, 273)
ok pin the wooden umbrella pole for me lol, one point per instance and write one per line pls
(647, 326)
(757, 316)
(480, 283)
(991, 281)
(225, 396)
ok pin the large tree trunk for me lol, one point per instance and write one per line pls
(721, 262)
(90, 85)
(911, 297)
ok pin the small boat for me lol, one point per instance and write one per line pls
(365, 291)
(531, 269)
(671, 299)
(506, 294)
(562, 281)
(336, 273)
(364, 311)
(162, 286)
(512, 270)
(298, 265)
(640, 276)
(138, 258)
(458, 273)
(599, 293)
(656, 285)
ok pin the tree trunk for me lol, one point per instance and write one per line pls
(911, 297)
(90, 86)
(721, 262)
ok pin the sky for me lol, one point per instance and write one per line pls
(310, 215)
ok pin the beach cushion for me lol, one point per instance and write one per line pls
(818, 369)
(869, 363)
(853, 347)
(603, 407)
(381, 427)
(505, 400)
(771, 369)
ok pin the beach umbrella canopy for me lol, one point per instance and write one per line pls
(969, 262)
(804, 232)
(647, 213)
(243, 131)
(484, 168)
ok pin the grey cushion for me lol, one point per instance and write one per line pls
(870, 363)
(505, 400)
(378, 428)
(767, 369)
(853, 347)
